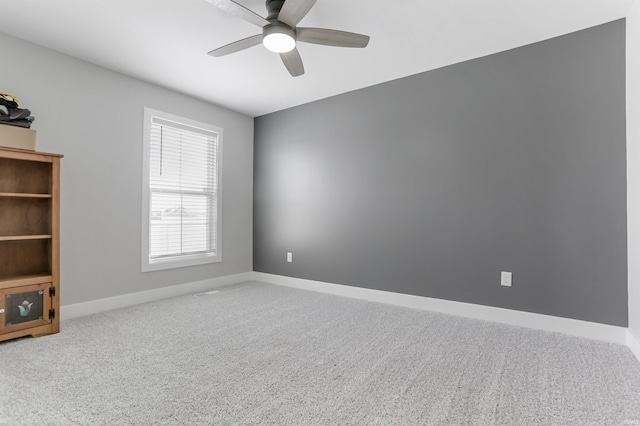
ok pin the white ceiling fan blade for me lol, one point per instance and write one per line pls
(293, 62)
(240, 11)
(331, 37)
(237, 46)
(293, 11)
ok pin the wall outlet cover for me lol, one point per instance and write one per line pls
(505, 278)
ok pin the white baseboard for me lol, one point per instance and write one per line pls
(109, 303)
(590, 330)
(634, 343)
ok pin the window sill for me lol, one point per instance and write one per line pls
(180, 262)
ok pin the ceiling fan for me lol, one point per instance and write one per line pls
(280, 32)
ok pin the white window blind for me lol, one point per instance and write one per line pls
(183, 191)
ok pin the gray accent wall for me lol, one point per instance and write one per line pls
(432, 184)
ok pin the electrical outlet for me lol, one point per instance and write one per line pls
(505, 279)
(289, 257)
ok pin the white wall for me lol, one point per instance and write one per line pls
(633, 165)
(93, 116)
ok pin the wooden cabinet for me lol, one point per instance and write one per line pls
(29, 243)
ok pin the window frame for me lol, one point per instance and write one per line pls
(179, 261)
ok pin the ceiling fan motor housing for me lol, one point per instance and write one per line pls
(278, 27)
(283, 36)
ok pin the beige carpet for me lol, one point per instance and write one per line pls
(255, 353)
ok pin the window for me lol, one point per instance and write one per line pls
(181, 192)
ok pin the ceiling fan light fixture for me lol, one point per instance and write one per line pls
(280, 31)
(278, 38)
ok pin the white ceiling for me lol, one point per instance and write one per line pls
(165, 41)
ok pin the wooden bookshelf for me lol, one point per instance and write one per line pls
(29, 243)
